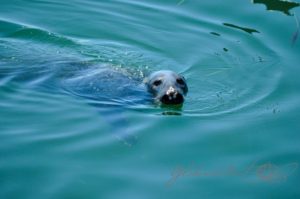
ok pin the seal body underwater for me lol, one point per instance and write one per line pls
(112, 92)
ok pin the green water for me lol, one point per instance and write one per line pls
(237, 135)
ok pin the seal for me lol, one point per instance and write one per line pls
(167, 87)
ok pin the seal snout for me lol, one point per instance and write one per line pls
(172, 97)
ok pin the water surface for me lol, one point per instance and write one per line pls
(76, 122)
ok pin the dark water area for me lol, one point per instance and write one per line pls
(76, 120)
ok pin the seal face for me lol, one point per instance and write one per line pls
(167, 87)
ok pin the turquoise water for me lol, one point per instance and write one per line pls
(68, 129)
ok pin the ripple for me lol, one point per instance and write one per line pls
(238, 75)
(19, 31)
(59, 138)
(48, 117)
(220, 90)
(238, 70)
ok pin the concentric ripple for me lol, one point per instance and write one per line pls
(232, 70)
(233, 79)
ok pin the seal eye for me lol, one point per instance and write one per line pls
(157, 82)
(180, 81)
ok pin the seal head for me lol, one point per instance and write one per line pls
(167, 87)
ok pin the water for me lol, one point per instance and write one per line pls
(70, 129)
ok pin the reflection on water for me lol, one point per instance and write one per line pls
(248, 30)
(278, 5)
(215, 33)
(296, 33)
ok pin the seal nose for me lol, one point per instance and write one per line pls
(172, 97)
